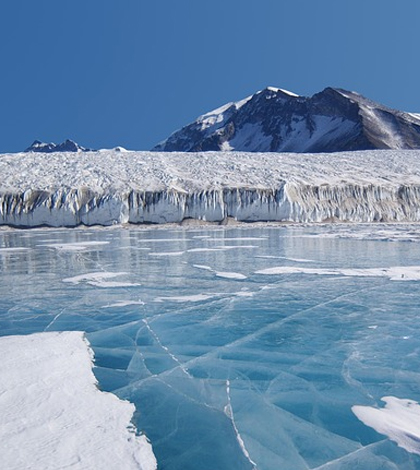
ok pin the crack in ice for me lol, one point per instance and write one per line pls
(250, 336)
(229, 413)
(166, 349)
(340, 459)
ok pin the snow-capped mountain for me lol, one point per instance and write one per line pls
(66, 146)
(276, 120)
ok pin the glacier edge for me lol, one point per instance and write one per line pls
(291, 202)
(106, 188)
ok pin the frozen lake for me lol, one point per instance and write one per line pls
(240, 347)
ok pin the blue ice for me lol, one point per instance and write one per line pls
(230, 368)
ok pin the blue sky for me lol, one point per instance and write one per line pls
(130, 72)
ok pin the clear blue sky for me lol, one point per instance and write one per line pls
(130, 72)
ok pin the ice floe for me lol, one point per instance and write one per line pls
(80, 246)
(394, 273)
(99, 279)
(53, 415)
(125, 303)
(186, 298)
(399, 420)
(230, 275)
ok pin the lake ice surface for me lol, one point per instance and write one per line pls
(241, 348)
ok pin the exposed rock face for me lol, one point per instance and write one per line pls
(274, 120)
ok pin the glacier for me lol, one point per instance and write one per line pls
(110, 187)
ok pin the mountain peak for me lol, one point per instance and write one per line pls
(38, 146)
(282, 91)
(274, 120)
(66, 146)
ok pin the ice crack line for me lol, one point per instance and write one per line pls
(346, 374)
(271, 326)
(55, 318)
(229, 413)
(166, 349)
(325, 466)
(256, 334)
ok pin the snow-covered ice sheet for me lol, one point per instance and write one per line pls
(187, 298)
(233, 373)
(106, 188)
(394, 273)
(75, 246)
(124, 303)
(52, 415)
(375, 232)
(399, 420)
(11, 250)
(230, 275)
(99, 279)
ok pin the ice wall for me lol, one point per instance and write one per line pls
(106, 189)
(354, 203)
(291, 202)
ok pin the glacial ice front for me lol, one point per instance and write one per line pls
(240, 348)
(109, 187)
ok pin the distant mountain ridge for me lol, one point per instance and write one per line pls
(66, 146)
(275, 120)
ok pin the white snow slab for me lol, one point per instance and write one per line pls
(52, 414)
(394, 273)
(230, 275)
(99, 279)
(186, 298)
(75, 246)
(286, 92)
(399, 420)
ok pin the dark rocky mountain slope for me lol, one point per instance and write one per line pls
(66, 146)
(275, 120)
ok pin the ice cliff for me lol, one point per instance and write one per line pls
(109, 187)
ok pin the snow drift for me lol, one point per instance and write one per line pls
(108, 187)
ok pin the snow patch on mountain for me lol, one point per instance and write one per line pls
(416, 116)
(251, 137)
(325, 128)
(287, 92)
